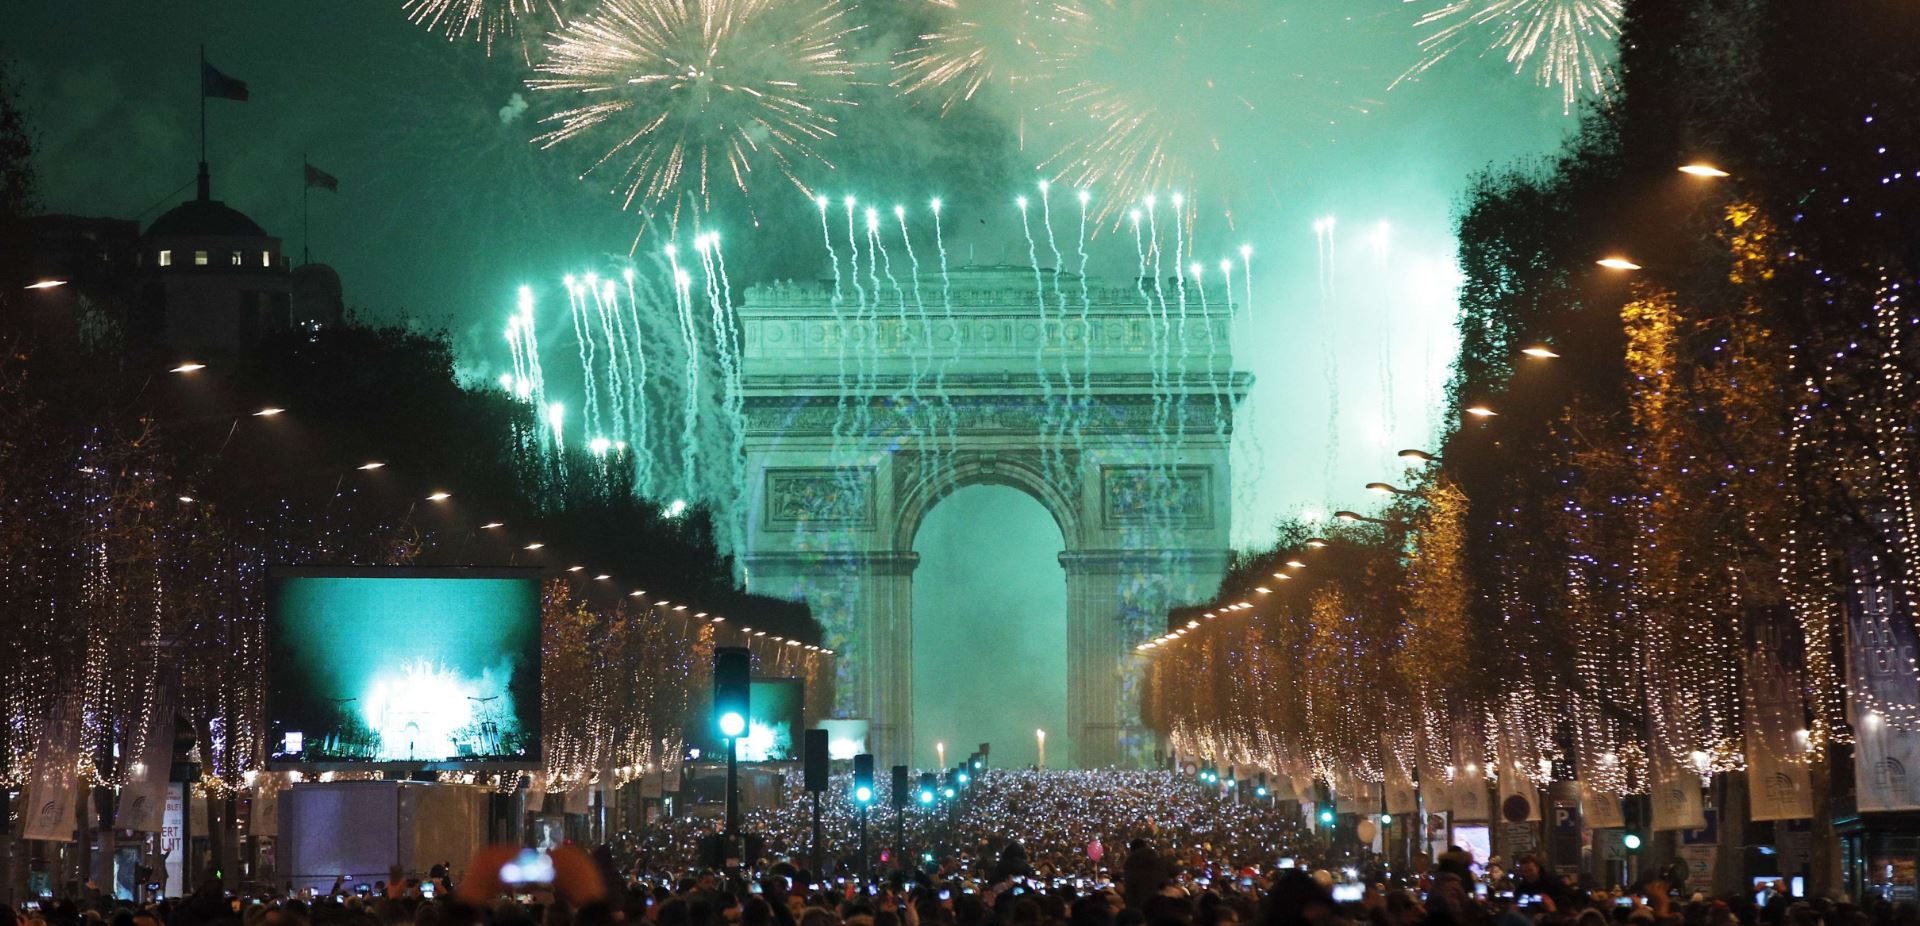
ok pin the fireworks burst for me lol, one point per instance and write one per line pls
(1189, 120)
(680, 92)
(1569, 44)
(486, 21)
(984, 42)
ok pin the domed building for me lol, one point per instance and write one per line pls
(218, 281)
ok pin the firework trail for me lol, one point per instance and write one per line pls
(690, 410)
(1086, 331)
(583, 339)
(874, 328)
(926, 334)
(733, 424)
(1324, 229)
(840, 339)
(865, 355)
(1180, 338)
(953, 349)
(1048, 461)
(1381, 241)
(679, 95)
(1146, 299)
(1060, 296)
(1213, 348)
(1568, 44)
(907, 397)
(643, 437)
(602, 294)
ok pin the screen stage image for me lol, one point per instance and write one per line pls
(427, 666)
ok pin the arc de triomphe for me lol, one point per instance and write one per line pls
(851, 440)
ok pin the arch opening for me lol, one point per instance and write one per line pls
(989, 629)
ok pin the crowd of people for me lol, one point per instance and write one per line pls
(1145, 887)
(1068, 822)
(1097, 848)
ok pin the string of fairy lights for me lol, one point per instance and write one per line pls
(158, 588)
(1656, 642)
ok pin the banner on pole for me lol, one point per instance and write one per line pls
(1600, 810)
(1519, 798)
(1880, 654)
(143, 800)
(1469, 783)
(1779, 781)
(54, 789)
(1675, 795)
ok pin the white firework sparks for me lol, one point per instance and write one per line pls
(1568, 44)
(680, 93)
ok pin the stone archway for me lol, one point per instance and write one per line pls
(1117, 426)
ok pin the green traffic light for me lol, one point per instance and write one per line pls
(1386, 819)
(1631, 841)
(1326, 817)
(863, 794)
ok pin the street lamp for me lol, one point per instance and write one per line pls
(1418, 456)
(1317, 543)
(1540, 352)
(1381, 488)
(1703, 169)
(1617, 263)
(46, 284)
(1480, 411)
(1353, 516)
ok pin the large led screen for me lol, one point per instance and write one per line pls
(773, 724)
(422, 667)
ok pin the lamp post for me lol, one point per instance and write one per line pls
(1040, 737)
(1354, 516)
(1382, 488)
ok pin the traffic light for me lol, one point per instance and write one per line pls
(900, 787)
(1386, 819)
(863, 780)
(732, 687)
(1633, 841)
(1260, 786)
(963, 776)
(1634, 814)
(926, 792)
(950, 788)
(1326, 816)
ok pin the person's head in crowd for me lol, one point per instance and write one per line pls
(1094, 909)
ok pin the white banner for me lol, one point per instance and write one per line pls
(1880, 659)
(264, 818)
(1516, 789)
(1884, 764)
(1779, 781)
(1303, 790)
(1436, 784)
(52, 793)
(1401, 798)
(143, 800)
(1600, 810)
(1469, 783)
(1675, 795)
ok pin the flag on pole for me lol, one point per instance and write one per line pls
(219, 86)
(318, 179)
